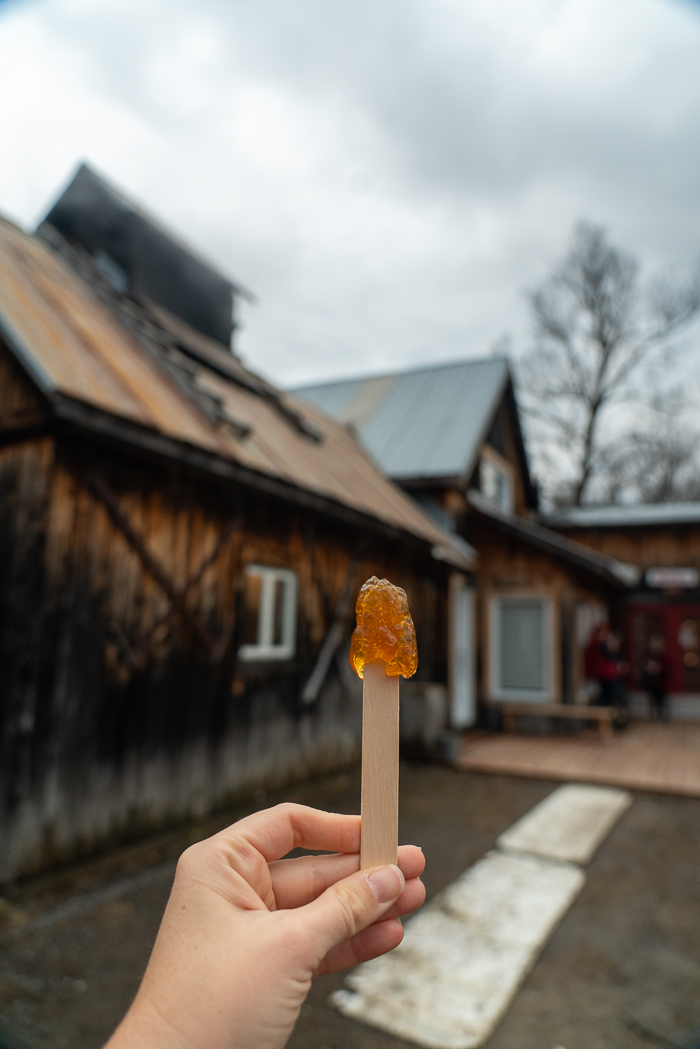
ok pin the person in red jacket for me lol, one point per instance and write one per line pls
(602, 663)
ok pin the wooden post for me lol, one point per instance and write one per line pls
(380, 766)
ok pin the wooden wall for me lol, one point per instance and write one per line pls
(508, 565)
(657, 546)
(115, 714)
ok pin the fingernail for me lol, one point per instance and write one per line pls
(386, 883)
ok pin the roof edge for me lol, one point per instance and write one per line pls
(456, 552)
(25, 358)
(644, 515)
(620, 574)
(112, 428)
(397, 374)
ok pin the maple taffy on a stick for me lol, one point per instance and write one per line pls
(383, 648)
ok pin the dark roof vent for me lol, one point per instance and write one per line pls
(134, 252)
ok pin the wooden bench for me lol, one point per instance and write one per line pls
(605, 716)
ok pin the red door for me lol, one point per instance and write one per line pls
(679, 625)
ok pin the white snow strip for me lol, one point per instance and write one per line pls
(569, 824)
(462, 958)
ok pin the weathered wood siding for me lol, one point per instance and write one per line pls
(653, 546)
(510, 566)
(20, 407)
(652, 611)
(114, 715)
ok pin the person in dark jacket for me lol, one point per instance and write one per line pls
(594, 656)
(655, 669)
(612, 685)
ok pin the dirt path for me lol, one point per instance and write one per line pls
(622, 970)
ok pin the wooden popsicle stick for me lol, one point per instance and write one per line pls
(380, 766)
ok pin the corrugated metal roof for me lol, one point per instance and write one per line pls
(428, 422)
(81, 349)
(625, 516)
(83, 341)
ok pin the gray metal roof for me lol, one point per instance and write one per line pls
(625, 516)
(428, 422)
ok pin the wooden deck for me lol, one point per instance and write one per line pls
(650, 757)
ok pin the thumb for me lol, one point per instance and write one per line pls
(349, 906)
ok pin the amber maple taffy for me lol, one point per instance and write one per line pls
(383, 648)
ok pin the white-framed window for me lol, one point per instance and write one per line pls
(522, 640)
(496, 484)
(270, 610)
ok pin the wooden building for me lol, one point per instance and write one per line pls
(664, 541)
(180, 545)
(450, 436)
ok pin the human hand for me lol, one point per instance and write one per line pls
(244, 932)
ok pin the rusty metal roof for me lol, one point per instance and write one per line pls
(84, 343)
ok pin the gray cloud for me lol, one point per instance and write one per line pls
(387, 177)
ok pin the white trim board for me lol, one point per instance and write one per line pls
(464, 956)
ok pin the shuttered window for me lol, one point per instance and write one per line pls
(521, 647)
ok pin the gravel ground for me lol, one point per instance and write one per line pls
(622, 971)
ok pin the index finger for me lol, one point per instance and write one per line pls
(275, 832)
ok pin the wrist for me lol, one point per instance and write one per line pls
(146, 1027)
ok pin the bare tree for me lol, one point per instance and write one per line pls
(658, 460)
(596, 327)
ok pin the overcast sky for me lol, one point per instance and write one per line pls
(388, 176)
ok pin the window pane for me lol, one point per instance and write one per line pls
(488, 480)
(521, 645)
(278, 613)
(507, 495)
(251, 612)
(496, 486)
(269, 613)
